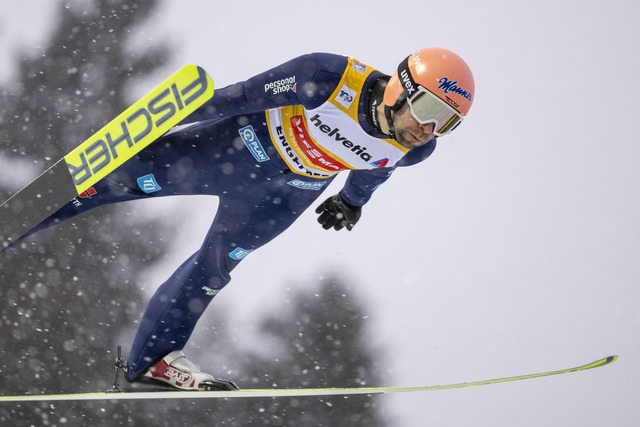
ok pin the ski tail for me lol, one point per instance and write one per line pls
(138, 126)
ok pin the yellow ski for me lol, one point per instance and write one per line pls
(176, 394)
(138, 126)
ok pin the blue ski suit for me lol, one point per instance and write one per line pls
(267, 147)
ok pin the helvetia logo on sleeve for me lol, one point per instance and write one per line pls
(250, 139)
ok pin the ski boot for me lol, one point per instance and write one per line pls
(176, 371)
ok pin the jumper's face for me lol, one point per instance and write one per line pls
(408, 132)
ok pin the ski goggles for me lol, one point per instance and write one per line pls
(428, 108)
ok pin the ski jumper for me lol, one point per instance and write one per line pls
(267, 147)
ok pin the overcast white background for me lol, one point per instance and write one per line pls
(514, 249)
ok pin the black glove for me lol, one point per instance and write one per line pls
(335, 212)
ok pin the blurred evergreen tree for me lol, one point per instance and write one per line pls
(320, 340)
(67, 294)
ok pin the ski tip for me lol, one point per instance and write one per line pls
(602, 362)
(610, 359)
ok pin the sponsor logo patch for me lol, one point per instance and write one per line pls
(250, 139)
(316, 156)
(148, 184)
(380, 163)
(359, 67)
(357, 149)
(345, 96)
(209, 291)
(281, 86)
(181, 378)
(239, 253)
(451, 86)
(89, 193)
(303, 185)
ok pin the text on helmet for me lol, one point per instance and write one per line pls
(449, 86)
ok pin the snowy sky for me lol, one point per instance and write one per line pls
(515, 248)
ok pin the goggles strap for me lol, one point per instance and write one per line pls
(409, 85)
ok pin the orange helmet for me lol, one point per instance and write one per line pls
(437, 84)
